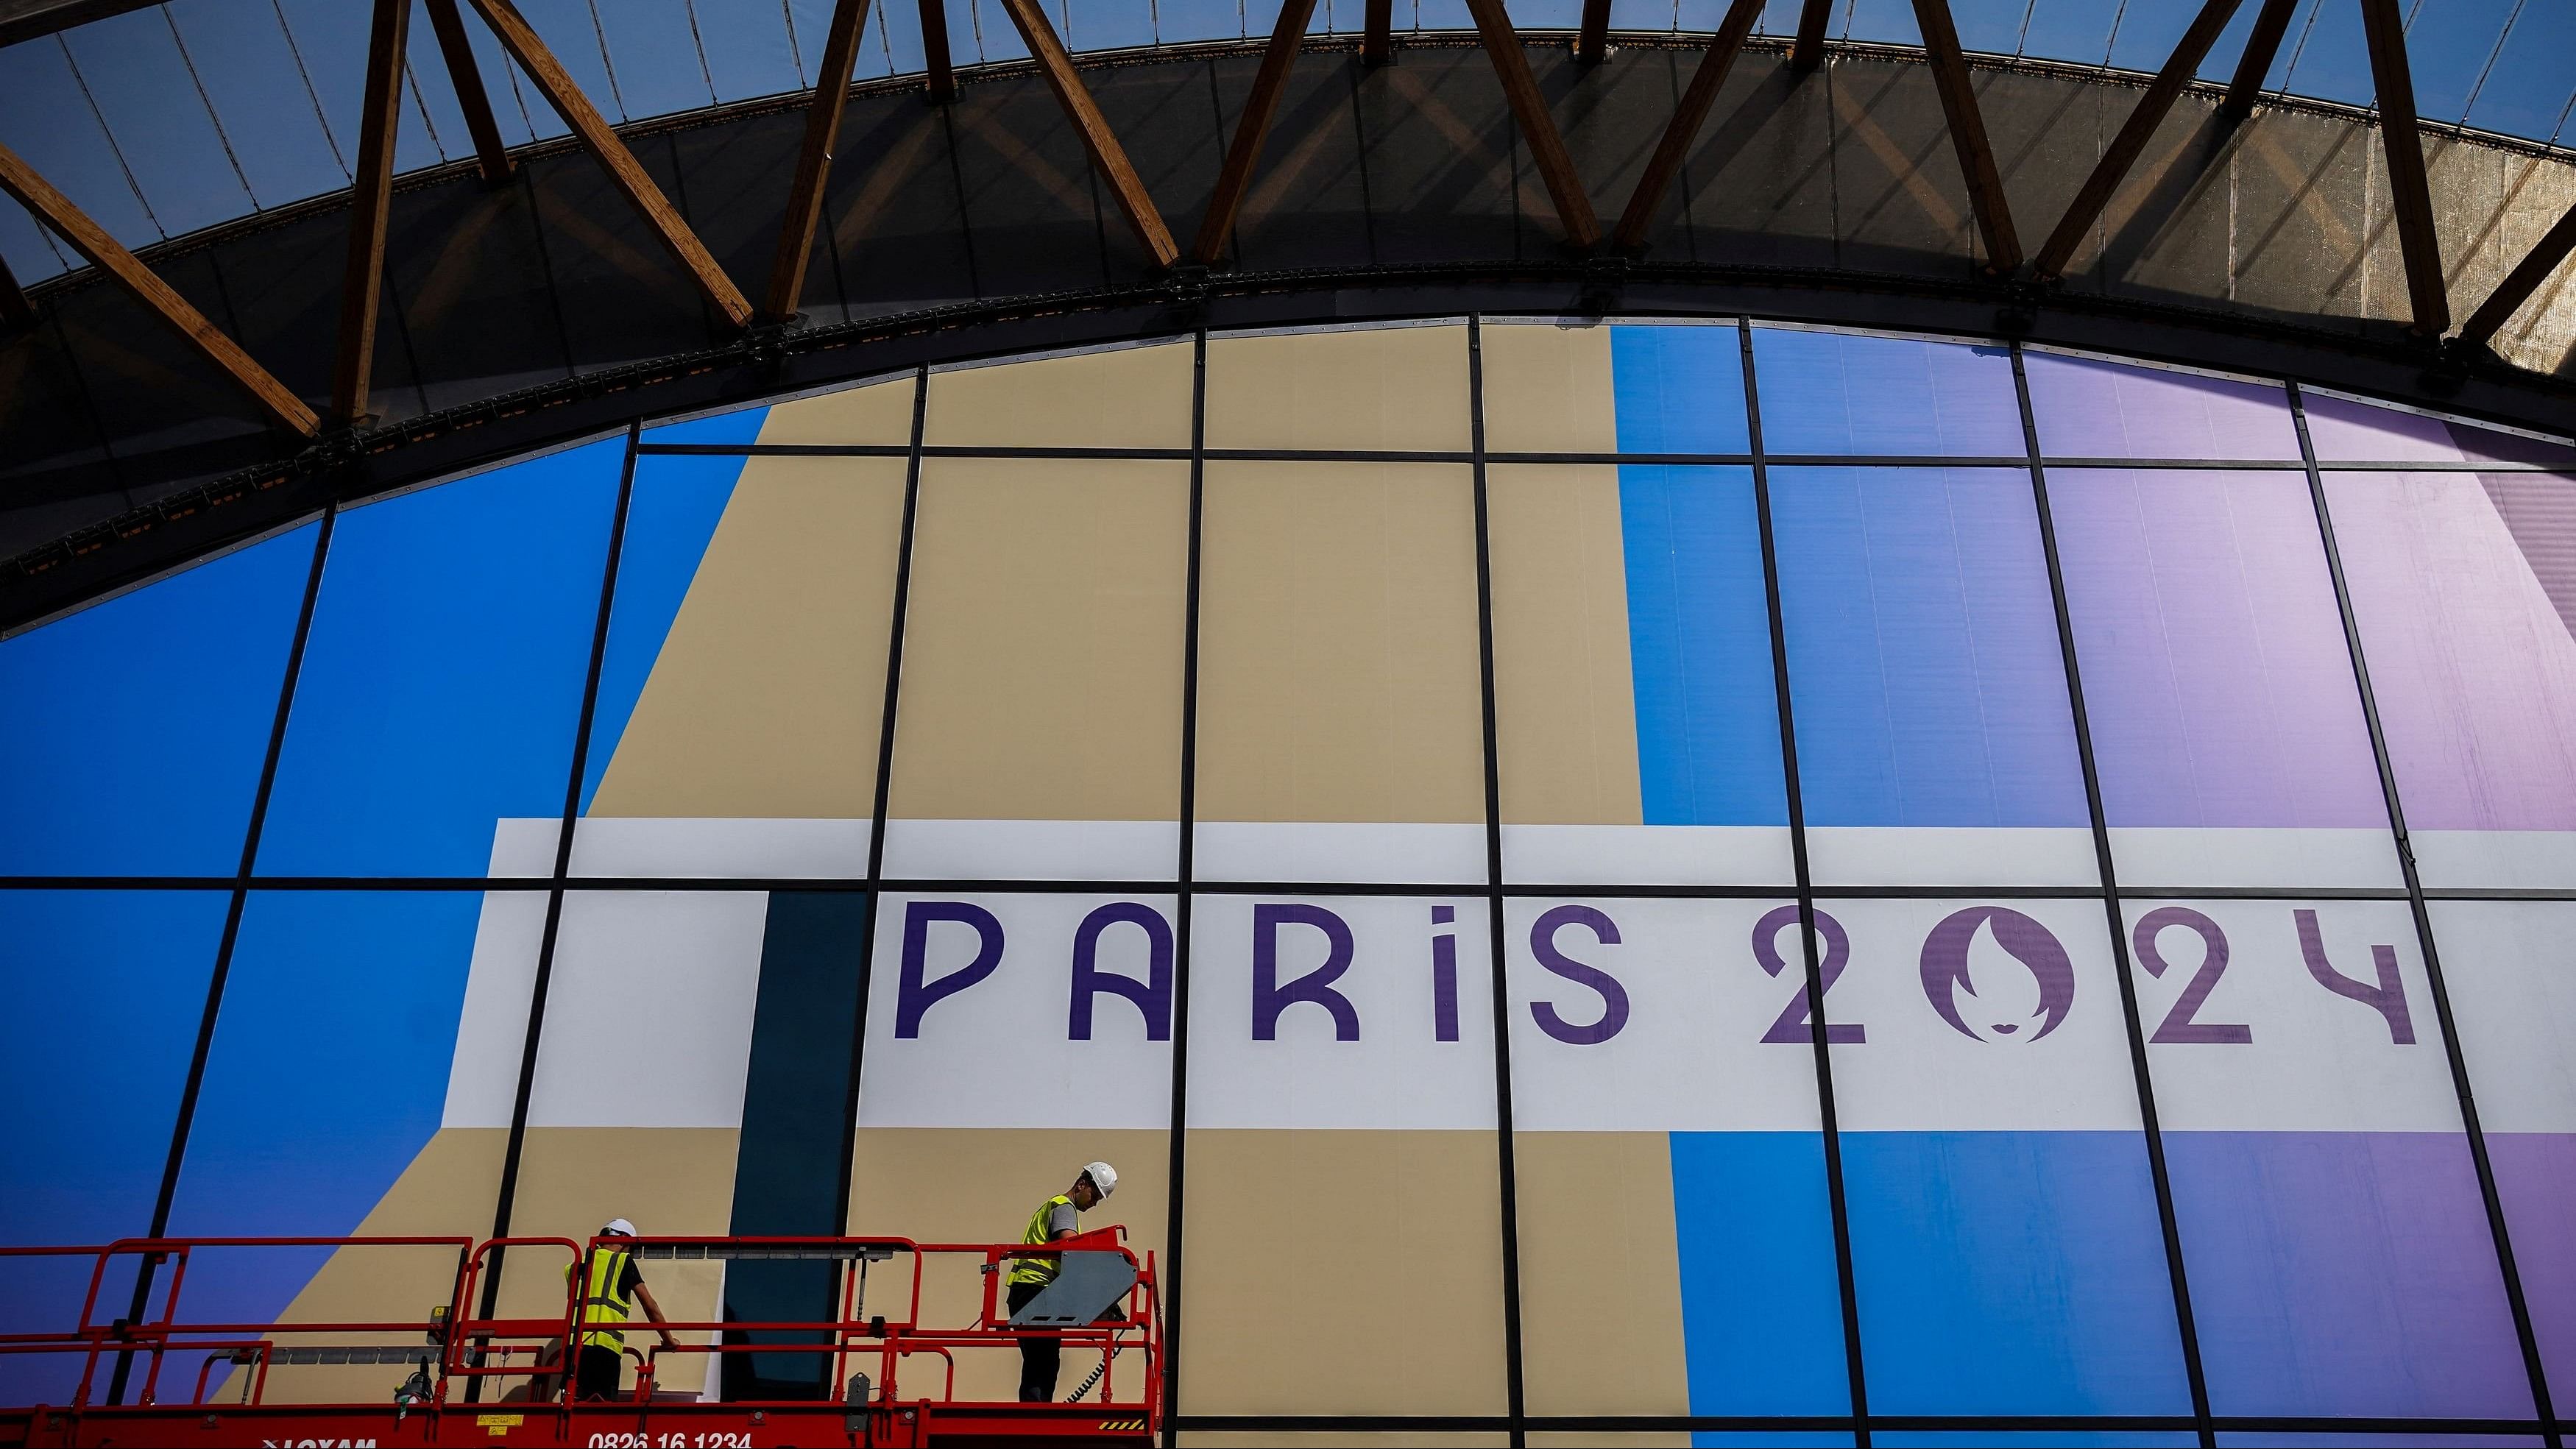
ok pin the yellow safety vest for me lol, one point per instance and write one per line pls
(605, 1303)
(1038, 1270)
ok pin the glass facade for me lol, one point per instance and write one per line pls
(1396, 792)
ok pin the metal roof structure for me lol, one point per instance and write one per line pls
(570, 218)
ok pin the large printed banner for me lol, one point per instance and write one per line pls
(1058, 1009)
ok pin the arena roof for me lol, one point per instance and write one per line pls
(527, 304)
(163, 119)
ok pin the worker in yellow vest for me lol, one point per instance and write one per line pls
(615, 1285)
(1057, 1218)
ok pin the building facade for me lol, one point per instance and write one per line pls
(1367, 783)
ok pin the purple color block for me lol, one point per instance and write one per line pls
(2215, 670)
(2344, 1273)
(2354, 432)
(2536, 1179)
(2088, 409)
(2345, 431)
(2473, 665)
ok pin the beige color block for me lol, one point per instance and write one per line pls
(447, 1191)
(1378, 387)
(1565, 705)
(667, 1180)
(1339, 677)
(1544, 1439)
(1044, 641)
(1601, 1295)
(880, 413)
(1128, 397)
(1343, 1272)
(768, 698)
(941, 1185)
(1548, 389)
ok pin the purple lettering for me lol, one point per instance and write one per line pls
(2178, 1026)
(1269, 997)
(1793, 1025)
(1614, 997)
(1152, 997)
(2388, 998)
(913, 996)
(1945, 969)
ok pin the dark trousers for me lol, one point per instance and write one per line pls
(596, 1372)
(1040, 1358)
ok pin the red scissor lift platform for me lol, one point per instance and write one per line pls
(486, 1380)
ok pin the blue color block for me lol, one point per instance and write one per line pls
(107, 995)
(2011, 1273)
(1829, 392)
(442, 685)
(328, 1075)
(730, 430)
(1762, 1316)
(673, 515)
(1699, 648)
(1924, 664)
(1679, 389)
(135, 730)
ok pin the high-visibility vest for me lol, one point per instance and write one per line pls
(605, 1303)
(1038, 1270)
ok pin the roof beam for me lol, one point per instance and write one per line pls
(814, 162)
(490, 156)
(1592, 42)
(1377, 26)
(1084, 112)
(935, 64)
(15, 310)
(2131, 143)
(1697, 101)
(1538, 127)
(371, 196)
(1809, 48)
(2417, 240)
(624, 171)
(2525, 278)
(1259, 110)
(2264, 42)
(104, 252)
(1968, 135)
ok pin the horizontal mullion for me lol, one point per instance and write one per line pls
(1609, 459)
(1142, 886)
(1788, 1423)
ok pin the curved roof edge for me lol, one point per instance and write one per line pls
(146, 543)
(519, 317)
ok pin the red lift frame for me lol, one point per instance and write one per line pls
(471, 1353)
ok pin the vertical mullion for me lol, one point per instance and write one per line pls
(1514, 1396)
(507, 1197)
(180, 1126)
(870, 902)
(2148, 1118)
(1176, 1206)
(2424, 936)
(1827, 1118)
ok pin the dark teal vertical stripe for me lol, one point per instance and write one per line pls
(787, 1177)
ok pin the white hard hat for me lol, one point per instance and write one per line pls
(1103, 1176)
(618, 1227)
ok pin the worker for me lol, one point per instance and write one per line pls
(614, 1284)
(1056, 1219)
